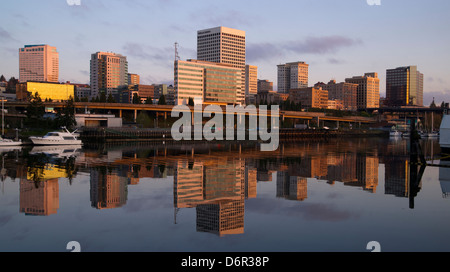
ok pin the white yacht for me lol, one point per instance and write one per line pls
(8, 142)
(63, 137)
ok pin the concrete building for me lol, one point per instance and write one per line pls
(368, 92)
(265, 86)
(251, 80)
(38, 63)
(199, 80)
(345, 93)
(98, 120)
(53, 91)
(292, 75)
(82, 91)
(133, 79)
(109, 71)
(404, 87)
(311, 97)
(224, 45)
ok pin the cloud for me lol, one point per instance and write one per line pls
(306, 210)
(148, 52)
(312, 45)
(5, 36)
(335, 61)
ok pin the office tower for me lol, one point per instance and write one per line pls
(224, 45)
(38, 63)
(108, 72)
(292, 75)
(345, 92)
(404, 86)
(133, 79)
(251, 80)
(368, 92)
(198, 80)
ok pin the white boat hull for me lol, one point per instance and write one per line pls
(42, 141)
(10, 143)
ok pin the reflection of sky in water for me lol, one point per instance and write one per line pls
(333, 217)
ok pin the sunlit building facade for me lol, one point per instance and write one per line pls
(292, 75)
(404, 86)
(206, 82)
(368, 91)
(109, 71)
(38, 63)
(46, 91)
(343, 91)
(310, 97)
(224, 45)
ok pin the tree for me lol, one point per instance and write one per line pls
(149, 101)
(102, 98)
(162, 100)
(136, 99)
(11, 85)
(66, 116)
(110, 98)
(191, 102)
(2, 79)
(35, 110)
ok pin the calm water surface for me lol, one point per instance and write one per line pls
(305, 197)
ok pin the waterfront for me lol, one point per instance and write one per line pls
(335, 195)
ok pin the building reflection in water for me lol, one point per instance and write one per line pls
(109, 189)
(217, 188)
(39, 186)
(217, 182)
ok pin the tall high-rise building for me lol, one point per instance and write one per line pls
(38, 63)
(206, 82)
(251, 80)
(368, 91)
(108, 72)
(224, 45)
(292, 75)
(404, 86)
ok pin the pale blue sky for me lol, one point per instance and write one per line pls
(338, 38)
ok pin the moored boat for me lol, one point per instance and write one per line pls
(63, 137)
(395, 134)
(9, 142)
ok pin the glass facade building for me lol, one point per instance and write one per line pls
(404, 86)
(206, 82)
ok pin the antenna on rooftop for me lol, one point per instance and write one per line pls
(177, 57)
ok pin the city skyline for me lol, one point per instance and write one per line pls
(350, 38)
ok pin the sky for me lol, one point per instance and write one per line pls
(337, 38)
